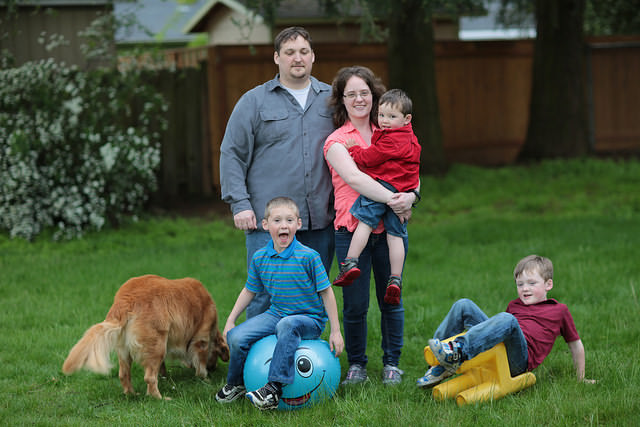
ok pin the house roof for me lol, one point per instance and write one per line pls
(158, 21)
(288, 10)
(176, 22)
(199, 20)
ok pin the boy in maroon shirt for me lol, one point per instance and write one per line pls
(393, 159)
(528, 328)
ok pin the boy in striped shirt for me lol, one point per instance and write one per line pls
(301, 302)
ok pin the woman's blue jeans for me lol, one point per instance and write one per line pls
(289, 330)
(356, 301)
(484, 332)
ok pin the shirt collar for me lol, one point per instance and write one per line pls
(348, 127)
(286, 253)
(517, 301)
(275, 82)
(402, 129)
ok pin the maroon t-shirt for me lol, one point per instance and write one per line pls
(541, 323)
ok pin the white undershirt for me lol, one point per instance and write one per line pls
(300, 94)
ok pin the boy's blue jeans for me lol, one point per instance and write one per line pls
(483, 333)
(289, 330)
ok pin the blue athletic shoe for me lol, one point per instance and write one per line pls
(435, 375)
(448, 354)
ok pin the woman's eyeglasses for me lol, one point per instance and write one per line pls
(353, 95)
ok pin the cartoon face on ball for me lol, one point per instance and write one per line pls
(316, 378)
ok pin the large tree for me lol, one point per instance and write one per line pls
(558, 121)
(410, 42)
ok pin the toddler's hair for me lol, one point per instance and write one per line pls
(533, 263)
(397, 98)
(281, 202)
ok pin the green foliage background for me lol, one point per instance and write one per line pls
(78, 149)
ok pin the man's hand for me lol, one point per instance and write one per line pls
(400, 203)
(245, 220)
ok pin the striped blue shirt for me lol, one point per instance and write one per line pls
(292, 278)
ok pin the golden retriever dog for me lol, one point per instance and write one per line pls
(152, 318)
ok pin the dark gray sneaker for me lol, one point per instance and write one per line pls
(355, 375)
(264, 398)
(229, 393)
(391, 375)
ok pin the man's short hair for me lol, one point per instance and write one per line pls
(291, 33)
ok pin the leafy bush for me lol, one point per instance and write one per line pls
(77, 149)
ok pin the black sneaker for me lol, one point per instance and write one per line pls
(265, 398)
(229, 393)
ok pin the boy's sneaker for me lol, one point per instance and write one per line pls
(394, 288)
(229, 393)
(435, 375)
(265, 398)
(391, 375)
(449, 354)
(355, 375)
(349, 272)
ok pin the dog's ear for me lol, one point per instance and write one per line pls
(223, 348)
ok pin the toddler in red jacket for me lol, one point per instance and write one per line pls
(393, 159)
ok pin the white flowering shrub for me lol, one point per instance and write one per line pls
(77, 149)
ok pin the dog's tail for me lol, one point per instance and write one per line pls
(93, 350)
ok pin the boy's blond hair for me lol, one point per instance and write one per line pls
(535, 263)
(281, 202)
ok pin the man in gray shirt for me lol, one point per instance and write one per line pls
(273, 147)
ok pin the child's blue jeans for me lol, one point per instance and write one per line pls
(483, 333)
(289, 330)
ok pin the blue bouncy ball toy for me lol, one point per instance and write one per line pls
(317, 372)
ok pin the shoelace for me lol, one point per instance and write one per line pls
(352, 373)
(393, 373)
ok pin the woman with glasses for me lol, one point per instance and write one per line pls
(355, 94)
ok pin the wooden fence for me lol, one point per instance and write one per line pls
(483, 91)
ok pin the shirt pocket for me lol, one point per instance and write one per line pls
(274, 124)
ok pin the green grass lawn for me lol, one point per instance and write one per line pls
(466, 236)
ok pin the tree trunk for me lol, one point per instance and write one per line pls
(558, 118)
(411, 47)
